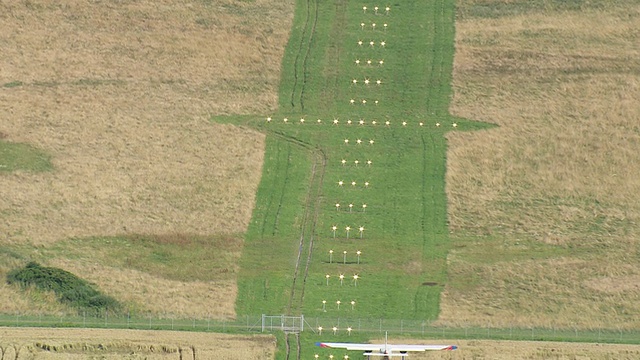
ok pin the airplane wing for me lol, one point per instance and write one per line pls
(403, 348)
(351, 346)
(389, 347)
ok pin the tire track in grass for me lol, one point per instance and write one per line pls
(306, 55)
(300, 46)
(310, 216)
(308, 227)
(287, 346)
(282, 192)
(316, 214)
(271, 195)
(341, 11)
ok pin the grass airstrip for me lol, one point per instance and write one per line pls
(353, 181)
(518, 235)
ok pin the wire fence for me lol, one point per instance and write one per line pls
(319, 326)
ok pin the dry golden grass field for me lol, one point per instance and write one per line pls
(37, 343)
(71, 344)
(532, 350)
(119, 95)
(545, 209)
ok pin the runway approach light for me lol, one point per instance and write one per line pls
(327, 277)
(331, 254)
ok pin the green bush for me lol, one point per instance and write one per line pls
(69, 288)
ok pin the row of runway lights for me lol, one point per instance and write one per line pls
(370, 62)
(373, 26)
(331, 357)
(338, 302)
(376, 8)
(356, 162)
(359, 122)
(353, 184)
(344, 260)
(350, 206)
(372, 43)
(348, 229)
(341, 277)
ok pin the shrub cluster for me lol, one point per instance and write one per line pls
(69, 288)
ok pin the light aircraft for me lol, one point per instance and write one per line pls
(385, 350)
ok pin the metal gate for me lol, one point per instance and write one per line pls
(289, 324)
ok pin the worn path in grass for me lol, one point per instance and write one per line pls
(310, 224)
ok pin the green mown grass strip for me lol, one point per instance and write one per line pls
(405, 243)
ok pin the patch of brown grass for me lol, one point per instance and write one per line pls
(149, 293)
(530, 350)
(120, 96)
(132, 344)
(561, 168)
